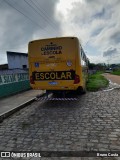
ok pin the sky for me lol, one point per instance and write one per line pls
(95, 22)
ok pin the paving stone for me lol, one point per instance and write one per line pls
(90, 123)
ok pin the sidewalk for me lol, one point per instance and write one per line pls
(11, 102)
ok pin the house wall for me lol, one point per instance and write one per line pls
(17, 60)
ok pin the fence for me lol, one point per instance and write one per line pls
(13, 81)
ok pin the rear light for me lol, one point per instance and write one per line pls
(32, 80)
(77, 79)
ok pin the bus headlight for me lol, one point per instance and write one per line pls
(69, 63)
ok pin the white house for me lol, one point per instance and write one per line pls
(17, 60)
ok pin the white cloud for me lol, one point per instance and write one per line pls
(97, 59)
(16, 30)
(95, 23)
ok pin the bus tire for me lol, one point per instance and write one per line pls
(81, 90)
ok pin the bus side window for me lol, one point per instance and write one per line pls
(81, 53)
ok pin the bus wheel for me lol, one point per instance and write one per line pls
(81, 90)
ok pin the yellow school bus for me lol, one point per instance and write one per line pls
(57, 64)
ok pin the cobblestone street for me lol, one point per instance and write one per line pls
(92, 123)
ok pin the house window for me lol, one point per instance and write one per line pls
(24, 66)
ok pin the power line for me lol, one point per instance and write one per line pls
(22, 13)
(44, 13)
(47, 20)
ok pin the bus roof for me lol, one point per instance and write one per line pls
(53, 38)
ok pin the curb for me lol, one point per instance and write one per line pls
(21, 106)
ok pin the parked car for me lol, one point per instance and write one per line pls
(108, 70)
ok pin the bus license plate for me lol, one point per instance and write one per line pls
(53, 83)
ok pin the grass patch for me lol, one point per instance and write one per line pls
(96, 82)
(117, 72)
